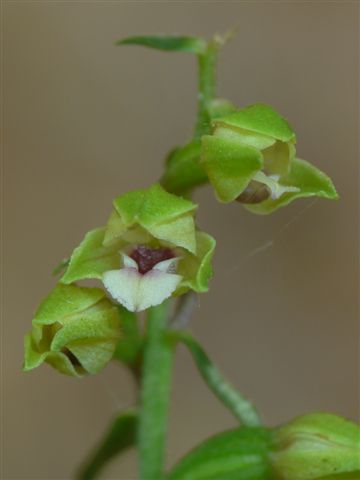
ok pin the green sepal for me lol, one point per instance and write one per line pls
(183, 170)
(197, 269)
(91, 339)
(120, 436)
(167, 43)
(261, 119)
(240, 454)
(310, 181)
(75, 330)
(129, 346)
(33, 358)
(316, 446)
(164, 216)
(66, 303)
(91, 259)
(230, 165)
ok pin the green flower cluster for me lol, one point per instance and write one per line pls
(149, 250)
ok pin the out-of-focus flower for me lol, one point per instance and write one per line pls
(75, 330)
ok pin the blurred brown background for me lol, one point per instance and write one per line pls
(86, 121)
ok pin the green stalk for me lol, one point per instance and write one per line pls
(155, 392)
(207, 82)
(240, 406)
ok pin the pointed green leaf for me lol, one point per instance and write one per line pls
(183, 170)
(229, 165)
(197, 269)
(167, 43)
(91, 259)
(262, 119)
(308, 179)
(120, 436)
(240, 454)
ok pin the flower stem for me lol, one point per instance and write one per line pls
(240, 406)
(207, 80)
(155, 392)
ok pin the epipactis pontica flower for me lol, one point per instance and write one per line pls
(250, 157)
(149, 250)
(75, 330)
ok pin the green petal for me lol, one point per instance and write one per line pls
(162, 214)
(167, 43)
(310, 181)
(196, 270)
(91, 259)
(278, 158)
(180, 232)
(230, 165)
(64, 302)
(183, 170)
(263, 119)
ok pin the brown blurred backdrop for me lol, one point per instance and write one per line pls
(86, 121)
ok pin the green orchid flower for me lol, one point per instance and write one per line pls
(317, 446)
(250, 157)
(75, 330)
(149, 250)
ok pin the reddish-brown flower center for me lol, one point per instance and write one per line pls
(147, 257)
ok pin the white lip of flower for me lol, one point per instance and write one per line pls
(137, 291)
(272, 182)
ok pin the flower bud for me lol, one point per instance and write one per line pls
(149, 250)
(250, 157)
(317, 446)
(75, 330)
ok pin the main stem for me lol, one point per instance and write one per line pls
(207, 82)
(155, 393)
(158, 351)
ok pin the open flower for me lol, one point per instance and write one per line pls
(149, 250)
(75, 330)
(250, 157)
